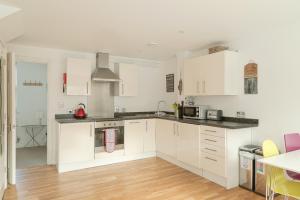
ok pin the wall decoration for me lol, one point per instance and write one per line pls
(170, 82)
(250, 78)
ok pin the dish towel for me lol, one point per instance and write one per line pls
(110, 140)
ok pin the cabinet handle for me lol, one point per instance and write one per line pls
(174, 132)
(91, 130)
(87, 88)
(210, 131)
(211, 159)
(122, 88)
(146, 126)
(134, 122)
(211, 149)
(210, 140)
(198, 87)
(203, 87)
(177, 130)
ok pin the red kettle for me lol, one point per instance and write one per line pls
(80, 112)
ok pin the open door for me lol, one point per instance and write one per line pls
(3, 123)
(11, 117)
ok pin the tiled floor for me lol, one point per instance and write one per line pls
(31, 156)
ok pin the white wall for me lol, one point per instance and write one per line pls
(59, 103)
(169, 67)
(277, 105)
(31, 102)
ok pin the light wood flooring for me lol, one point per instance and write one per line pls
(149, 179)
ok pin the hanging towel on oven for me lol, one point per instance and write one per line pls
(110, 140)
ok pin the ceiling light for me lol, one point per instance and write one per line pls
(152, 44)
(180, 31)
(7, 10)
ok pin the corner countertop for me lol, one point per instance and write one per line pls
(227, 122)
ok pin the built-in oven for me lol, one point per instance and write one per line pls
(100, 128)
(195, 112)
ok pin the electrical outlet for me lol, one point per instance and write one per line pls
(240, 114)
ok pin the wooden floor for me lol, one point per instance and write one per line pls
(150, 179)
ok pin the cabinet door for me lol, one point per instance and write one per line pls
(213, 74)
(166, 137)
(149, 136)
(134, 136)
(193, 76)
(78, 76)
(128, 85)
(191, 84)
(76, 142)
(188, 144)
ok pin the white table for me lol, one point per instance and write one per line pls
(288, 161)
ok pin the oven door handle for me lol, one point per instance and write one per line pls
(109, 128)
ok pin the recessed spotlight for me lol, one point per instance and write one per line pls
(152, 44)
(180, 31)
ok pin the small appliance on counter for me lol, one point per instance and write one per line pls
(214, 114)
(194, 111)
(80, 111)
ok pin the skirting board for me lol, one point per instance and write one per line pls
(66, 167)
(203, 173)
(179, 164)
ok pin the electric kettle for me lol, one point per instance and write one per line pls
(80, 111)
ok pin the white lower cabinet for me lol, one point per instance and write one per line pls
(188, 144)
(139, 136)
(149, 136)
(219, 156)
(166, 138)
(134, 136)
(178, 140)
(211, 150)
(75, 142)
(208, 151)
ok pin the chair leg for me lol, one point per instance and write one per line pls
(267, 193)
(272, 195)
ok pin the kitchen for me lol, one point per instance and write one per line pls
(125, 94)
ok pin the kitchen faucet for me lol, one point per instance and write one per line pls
(158, 108)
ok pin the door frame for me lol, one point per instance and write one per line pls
(4, 116)
(19, 58)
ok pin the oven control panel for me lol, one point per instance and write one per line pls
(109, 124)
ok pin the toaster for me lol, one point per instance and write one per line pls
(214, 114)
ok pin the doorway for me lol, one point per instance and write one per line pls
(31, 114)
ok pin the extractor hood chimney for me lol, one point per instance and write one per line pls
(102, 72)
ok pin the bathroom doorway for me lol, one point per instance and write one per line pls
(31, 114)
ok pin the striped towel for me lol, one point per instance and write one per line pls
(110, 140)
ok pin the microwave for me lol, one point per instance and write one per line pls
(195, 112)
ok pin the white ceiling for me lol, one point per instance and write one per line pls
(125, 27)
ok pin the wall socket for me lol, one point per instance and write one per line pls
(240, 114)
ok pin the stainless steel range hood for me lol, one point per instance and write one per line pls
(102, 72)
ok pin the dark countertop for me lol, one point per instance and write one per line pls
(227, 122)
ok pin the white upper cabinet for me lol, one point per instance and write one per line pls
(78, 76)
(128, 85)
(214, 74)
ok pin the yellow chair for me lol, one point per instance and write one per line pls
(276, 181)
